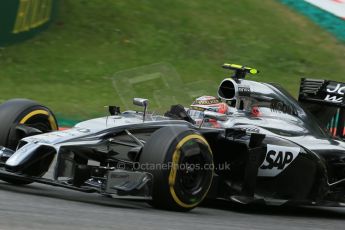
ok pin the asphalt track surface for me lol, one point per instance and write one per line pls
(44, 207)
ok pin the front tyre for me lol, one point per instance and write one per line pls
(181, 163)
(23, 112)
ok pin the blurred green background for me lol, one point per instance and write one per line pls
(71, 67)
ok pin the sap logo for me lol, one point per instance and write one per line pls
(338, 89)
(277, 159)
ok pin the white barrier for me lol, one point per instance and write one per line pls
(336, 7)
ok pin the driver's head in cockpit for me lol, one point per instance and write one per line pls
(210, 103)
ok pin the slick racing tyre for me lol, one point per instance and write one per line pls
(181, 162)
(23, 112)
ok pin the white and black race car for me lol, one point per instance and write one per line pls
(268, 148)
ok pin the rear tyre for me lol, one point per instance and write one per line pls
(181, 163)
(23, 112)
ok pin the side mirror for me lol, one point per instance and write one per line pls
(141, 102)
(215, 115)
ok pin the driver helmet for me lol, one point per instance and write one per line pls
(211, 103)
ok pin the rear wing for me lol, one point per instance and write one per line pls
(326, 100)
(322, 92)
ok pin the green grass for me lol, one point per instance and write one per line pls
(70, 67)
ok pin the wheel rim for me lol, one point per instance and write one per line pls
(191, 176)
(39, 122)
(191, 179)
(40, 119)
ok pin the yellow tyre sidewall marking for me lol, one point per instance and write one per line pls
(51, 119)
(173, 172)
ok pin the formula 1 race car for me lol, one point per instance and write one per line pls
(266, 147)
